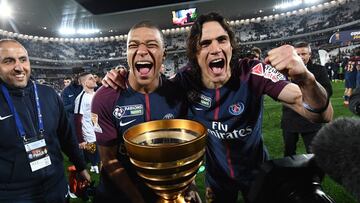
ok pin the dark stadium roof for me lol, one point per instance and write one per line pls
(33, 16)
(112, 6)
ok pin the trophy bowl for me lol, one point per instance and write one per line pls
(167, 154)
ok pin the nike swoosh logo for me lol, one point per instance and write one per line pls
(5, 117)
(198, 109)
(126, 123)
(70, 95)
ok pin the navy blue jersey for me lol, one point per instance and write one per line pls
(122, 109)
(116, 111)
(233, 117)
(132, 107)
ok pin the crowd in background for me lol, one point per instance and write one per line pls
(54, 61)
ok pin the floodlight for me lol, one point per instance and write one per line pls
(5, 9)
(310, 1)
(67, 31)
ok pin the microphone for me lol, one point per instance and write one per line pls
(292, 179)
(337, 152)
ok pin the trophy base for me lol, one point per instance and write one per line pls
(179, 199)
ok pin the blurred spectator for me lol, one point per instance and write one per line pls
(84, 128)
(350, 65)
(256, 53)
(67, 81)
(98, 77)
(68, 96)
(330, 66)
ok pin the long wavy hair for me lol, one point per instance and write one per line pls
(194, 37)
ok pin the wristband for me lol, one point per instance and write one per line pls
(309, 108)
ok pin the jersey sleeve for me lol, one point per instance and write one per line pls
(273, 86)
(102, 108)
(264, 79)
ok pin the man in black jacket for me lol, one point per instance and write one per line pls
(34, 132)
(294, 124)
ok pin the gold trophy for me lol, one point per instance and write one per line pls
(167, 155)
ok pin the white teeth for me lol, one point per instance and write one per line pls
(20, 75)
(216, 60)
(143, 62)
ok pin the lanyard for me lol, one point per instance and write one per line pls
(19, 125)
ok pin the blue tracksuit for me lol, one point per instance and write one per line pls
(48, 184)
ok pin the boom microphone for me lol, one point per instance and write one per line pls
(337, 152)
(292, 179)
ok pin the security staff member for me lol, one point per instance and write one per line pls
(34, 130)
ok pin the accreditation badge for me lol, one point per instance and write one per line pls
(37, 153)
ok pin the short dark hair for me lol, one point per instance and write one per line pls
(256, 50)
(81, 76)
(301, 44)
(148, 24)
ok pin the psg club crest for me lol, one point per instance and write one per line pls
(236, 109)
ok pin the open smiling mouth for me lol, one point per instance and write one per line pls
(143, 67)
(19, 75)
(217, 65)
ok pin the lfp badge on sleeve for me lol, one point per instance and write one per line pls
(37, 153)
